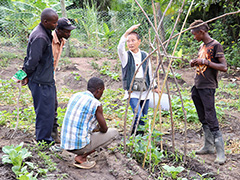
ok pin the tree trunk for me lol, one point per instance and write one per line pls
(64, 14)
(159, 16)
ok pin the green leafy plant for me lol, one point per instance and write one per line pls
(61, 114)
(177, 75)
(189, 108)
(51, 166)
(105, 70)
(89, 52)
(174, 171)
(26, 16)
(140, 143)
(42, 146)
(95, 65)
(106, 34)
(76, 76)
(15, 155)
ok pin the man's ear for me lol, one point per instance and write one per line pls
(44, 21)
(202, 31)
(98, 90)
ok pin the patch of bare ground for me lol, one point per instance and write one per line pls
(111, 164)
(204, 164)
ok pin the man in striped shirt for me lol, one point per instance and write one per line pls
(83, 116)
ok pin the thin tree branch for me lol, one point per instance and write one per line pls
(19, 95)
(213, 19)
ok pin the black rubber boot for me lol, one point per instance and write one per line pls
(208, 147)
(219, 144)
(55, 135)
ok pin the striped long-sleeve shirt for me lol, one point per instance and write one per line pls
(79, 121)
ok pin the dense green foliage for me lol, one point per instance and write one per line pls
(101, 23)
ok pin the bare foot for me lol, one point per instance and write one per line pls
(80, 158)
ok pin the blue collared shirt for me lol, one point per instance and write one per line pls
(79, 121)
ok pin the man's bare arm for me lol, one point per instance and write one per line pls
(101, 120)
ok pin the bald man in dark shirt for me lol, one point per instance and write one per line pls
(38, 65)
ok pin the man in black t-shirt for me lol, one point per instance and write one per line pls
(210, 60)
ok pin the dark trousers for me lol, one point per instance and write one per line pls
(55, 124)
(133, 104)
(204, 101)
(44, 105)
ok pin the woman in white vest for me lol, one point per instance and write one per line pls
(131, 60)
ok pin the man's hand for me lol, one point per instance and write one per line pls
(24, 81)
(96, 129)
(197, 62)
(156, 90)
(132, 28)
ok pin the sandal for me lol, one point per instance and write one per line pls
(55, 148)
(85, 165)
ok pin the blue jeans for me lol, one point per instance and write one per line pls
(133, 104)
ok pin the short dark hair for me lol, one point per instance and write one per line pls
(136, 34)
(203, 27)
(94, 83)
(47, 14)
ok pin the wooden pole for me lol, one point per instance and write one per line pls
(158, 81)
(18, 99)
(64, 14)
(213, 19)
(164, 52)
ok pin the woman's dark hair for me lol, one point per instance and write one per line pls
(135, 33)
(203, 27)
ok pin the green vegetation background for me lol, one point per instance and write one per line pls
(100, 23)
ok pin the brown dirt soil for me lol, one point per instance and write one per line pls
(111, 164)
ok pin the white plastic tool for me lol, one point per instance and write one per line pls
(164, 102)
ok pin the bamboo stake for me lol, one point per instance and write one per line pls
(185, 116)
(150, 152)
(129, 96)
(158, 81)
(213, 19)
(166, 74)
(139, 117)
(169, 97)
(160, 22)
(164, 52)
(125, 121)
(231, 13)
(157, 69)
(168, 92)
